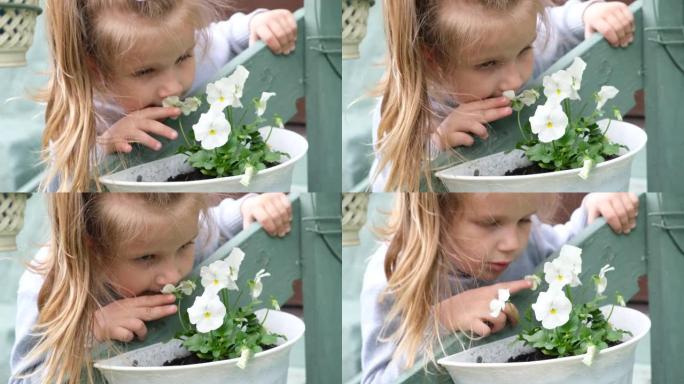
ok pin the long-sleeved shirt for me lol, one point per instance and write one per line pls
(566, 30)
(225, 221)
(377, 362)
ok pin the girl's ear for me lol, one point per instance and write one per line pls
(94, 70)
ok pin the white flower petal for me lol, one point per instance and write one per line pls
(549, 122)
(207, 312)
(606, 93)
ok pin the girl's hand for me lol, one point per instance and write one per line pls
(277, 29)
(620, 209)
(272, 210)
(135, 127)
(125, 319)
(613, 20)
(469, 119)
(469, 311)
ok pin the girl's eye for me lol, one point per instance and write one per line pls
(525, 221)
(526, 49)
(146, 258)
(143, 72)
(183, 58)
(186, 245)
(488, 64)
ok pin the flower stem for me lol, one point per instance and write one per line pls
(180, 317)
(520, 128)
(180, 124)
(265, 316)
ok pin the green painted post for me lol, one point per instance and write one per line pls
(600, 246)
(665, 285)
(620, 67)
(322, 286)
(323, 92)
(664, 65)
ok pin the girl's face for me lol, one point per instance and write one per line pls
(493, 230)
(153, 70)
(163, 254)
(502, 60)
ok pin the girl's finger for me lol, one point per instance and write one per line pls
(290, 33)
(281, 35)
(490, 115)
(155, 313)
(460, 139)
(498, 323)
(148, 301)
(513, 286)
(512, 314)
(136, 326)
(617, 27)
(479, 328)
(631, 208)
(267, 36)
(121, 334)
(159, 129)
(277, 218)
(628, 16)
(607, 31)
(480, 105)
(611, 217)
(145, 139)
(265, 220)
(621, 213)
(157, 113)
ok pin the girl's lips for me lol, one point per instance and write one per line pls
(499, 266)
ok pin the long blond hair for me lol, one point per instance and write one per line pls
(422, 255)
(422, 35)
(86, 233)
(84, 50)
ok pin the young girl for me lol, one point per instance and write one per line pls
(115, 61)
(108, 258)
(449, 63)
(456, 250)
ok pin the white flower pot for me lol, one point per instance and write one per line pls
(152, 176)
(268, 367)
(609, 176)
(611, 366)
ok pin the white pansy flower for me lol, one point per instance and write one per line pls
(261, 103)
(557, 274)
(212, 129)
(586, 168)
(207, 312)
(257, 286)
(187, 106)
(498, 305)
(592, 351)
(572, 256)
(575, 70)
(606, 93)
(187, 286)
(549, 122)
(529, 96)
(535, 280)
(168, 289)
(245, 354)
(216, 276)
(558, 87)
(233, 261)
(601, 280)
(552, 308)
(228, 90)
(510, 95)
(246, 179)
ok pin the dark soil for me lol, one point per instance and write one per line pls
(190, 176)
(536, 355)
(187, 360)
(193, 359)
(535, 169)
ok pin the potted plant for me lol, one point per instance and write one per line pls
(221, 153)
(17, 25)
(220, 342)
(559, 151)
(569, 342)
(354, 23)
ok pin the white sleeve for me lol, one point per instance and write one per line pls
(566, 31)
(377, 363)
(225, 40)
(548, 239)
(30, 284)
(224, 222)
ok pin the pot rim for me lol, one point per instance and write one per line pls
(445, 362)
(106, 179)
(631, 153)
(100, 364)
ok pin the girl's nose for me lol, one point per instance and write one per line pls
(513, 78)
(171, 86)
(169, 275)
(510, 241)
